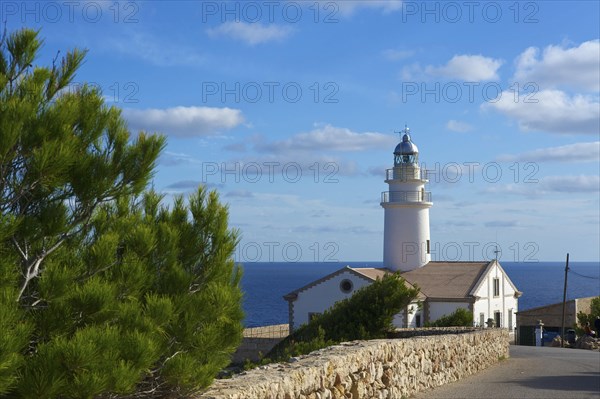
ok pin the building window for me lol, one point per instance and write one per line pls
(481, 319)
(510, 321)
(312, 315)
(428, 247)
(346, 286)
(418, 320)
(497, 319)
(496, 287)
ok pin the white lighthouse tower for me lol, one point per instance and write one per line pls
(406, 241)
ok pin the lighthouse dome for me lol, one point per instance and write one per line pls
(406, 151)
(406, 146)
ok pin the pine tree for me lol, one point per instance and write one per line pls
(62, 155)
(104, 290)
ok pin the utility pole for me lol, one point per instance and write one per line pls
(562, 335)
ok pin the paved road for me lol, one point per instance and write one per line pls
(530, 373)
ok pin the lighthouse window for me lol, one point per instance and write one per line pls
(346, 286)
(428, 247)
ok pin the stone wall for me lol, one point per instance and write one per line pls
(391, 368)
(427, 331)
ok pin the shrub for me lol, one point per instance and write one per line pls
(583, 318)
(459, 318)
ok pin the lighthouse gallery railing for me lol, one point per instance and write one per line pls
(406, 196)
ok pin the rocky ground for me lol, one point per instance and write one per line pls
(583, 342)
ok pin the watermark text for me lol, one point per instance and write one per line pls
(70, 11)
(453, 92)
(290, 251)
(472, 251)
(453, 12)
(270, 11)
(270, 92)
(261, 172)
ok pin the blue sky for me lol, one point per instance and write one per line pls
(289, 110)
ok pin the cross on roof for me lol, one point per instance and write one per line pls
(406, 130)
(496, 252)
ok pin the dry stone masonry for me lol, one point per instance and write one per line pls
(391, 368)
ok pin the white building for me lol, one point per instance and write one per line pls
(483, 287)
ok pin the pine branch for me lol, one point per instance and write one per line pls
(21, 252)
(4, 34)
(33, 269)
(30, 274)
(90, 275)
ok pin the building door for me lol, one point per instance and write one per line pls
(481, 319)
(497, 319)
(418, 320)
(527, 335)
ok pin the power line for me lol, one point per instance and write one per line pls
(583, 275)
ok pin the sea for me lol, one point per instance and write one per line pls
(542, 283)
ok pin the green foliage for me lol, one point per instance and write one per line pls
(459, 318)
(368, 314)
(63, 154)
(103, 290)
(583, 318)
(14, 337)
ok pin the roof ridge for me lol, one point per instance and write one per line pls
(325, 278)
(459, 261)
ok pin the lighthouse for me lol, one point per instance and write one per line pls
(444, 286)
(406, 241)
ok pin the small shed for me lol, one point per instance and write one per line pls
(551, 316)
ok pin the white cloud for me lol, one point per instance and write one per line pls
(348, 7)
(577, 152)
(575, 67)
(154, 50)
(240, 194)
(551, 111)
(550, 184)
(236, 147)
(501, 223)
(250, 33)
(412, 72)
(330, 138)
(458, 126)
(319, 166)
(395, 55)
(184, 121)
(470, 68)
(170, 158)
(314, 149)
(377, 170)
(571, 184)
